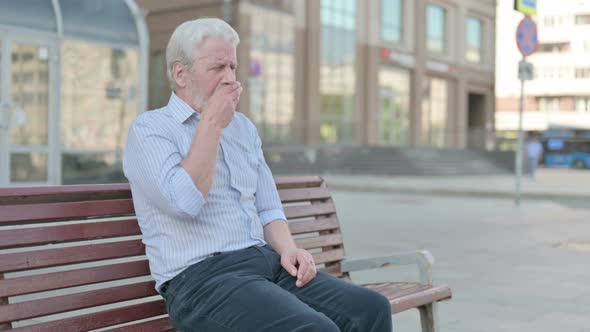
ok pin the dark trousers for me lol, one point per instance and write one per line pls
(248, 290)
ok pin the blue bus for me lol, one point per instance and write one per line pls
(566, 149)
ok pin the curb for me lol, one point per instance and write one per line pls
(455, 192)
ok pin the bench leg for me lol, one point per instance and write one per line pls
(428, 318)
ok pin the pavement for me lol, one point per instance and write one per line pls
(512, 269)
(549, 184)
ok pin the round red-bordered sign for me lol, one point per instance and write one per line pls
(526, 36)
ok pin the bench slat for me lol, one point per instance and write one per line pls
(57, 191)
(319, 241)
(156, 325)
(333, 270)
(302, 211)
(59, 304)
(15, 238)
(312, 226)
(100, 319)
(63, 256)
(303, 194)
(286, 182)
(29, 213)
(329, 256)
(404, 296)
(86, 276)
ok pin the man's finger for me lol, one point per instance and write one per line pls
(311, 273)
(304, 267)
(290, 267)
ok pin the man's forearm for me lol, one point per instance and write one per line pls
(201, 158)
(278, 236)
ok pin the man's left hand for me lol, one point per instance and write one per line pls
(299, 263)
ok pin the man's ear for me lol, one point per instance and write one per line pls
(180, 74)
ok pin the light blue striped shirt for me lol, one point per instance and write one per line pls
(179, 226)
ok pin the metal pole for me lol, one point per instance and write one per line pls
(519, 146)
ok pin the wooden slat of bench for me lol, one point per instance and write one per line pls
(302, 211)
(404, 296)
(100, 319)
(329, 256)
(303, 194)
(333, 270)
(312, 226)
(286, 182)
(86, 276)
(56, 191)
(319, 241)
(70, 255)
(64, 303)
(156, 325)
(28, 213)
(15, 238)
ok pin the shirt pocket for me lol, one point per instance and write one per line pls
(244, 171)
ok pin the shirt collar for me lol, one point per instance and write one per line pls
(180, 110)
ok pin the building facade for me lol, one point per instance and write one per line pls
(369, 72)
(559, 94)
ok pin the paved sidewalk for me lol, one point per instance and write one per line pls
(549, 184)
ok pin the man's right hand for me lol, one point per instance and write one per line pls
(221, 107)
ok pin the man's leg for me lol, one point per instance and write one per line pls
(533, 166)
(233, 292)
(351, 307)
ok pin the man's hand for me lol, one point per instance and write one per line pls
(221, 107)
(299, 263)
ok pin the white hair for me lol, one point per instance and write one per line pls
(185, 39)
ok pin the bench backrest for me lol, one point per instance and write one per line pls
(66, 250)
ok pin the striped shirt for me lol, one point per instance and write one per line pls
(179, 226)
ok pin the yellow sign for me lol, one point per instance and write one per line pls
(527, 7)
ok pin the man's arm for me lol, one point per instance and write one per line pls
(298, 262)
(201, 159)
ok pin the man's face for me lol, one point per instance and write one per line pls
(215, 64)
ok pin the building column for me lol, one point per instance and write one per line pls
(419, 78)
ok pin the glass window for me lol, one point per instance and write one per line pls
(474, 36)
(391, 20)
(99, 95)
(434, 112)
(582, 104)
(582, 73)
(28, 167)
(32, 14)
(337, 71)
(549, 104)
(583, 19)
(436, 25)
(30, 92)
(394, 113)
(271, 81)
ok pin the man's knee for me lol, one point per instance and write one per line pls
(317, 323)
(377, 309)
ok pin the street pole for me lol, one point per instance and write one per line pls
(519, 146)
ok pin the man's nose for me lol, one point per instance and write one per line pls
(228, 76)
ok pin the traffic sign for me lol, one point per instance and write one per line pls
(525, 71)
(526, 36)
(527, 7)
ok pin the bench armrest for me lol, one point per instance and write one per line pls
(423, 259)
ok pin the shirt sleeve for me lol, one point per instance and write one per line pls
(151, 163)
(268, 202)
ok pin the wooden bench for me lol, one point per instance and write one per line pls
(71, 258)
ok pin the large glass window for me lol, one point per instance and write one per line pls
(436, 25)
(394, 113)
(583, 104)
(474, 36)
(549, 104)
(391, 20)
(271, 80)
(98, 104)
(337, 72)
(434, 112)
